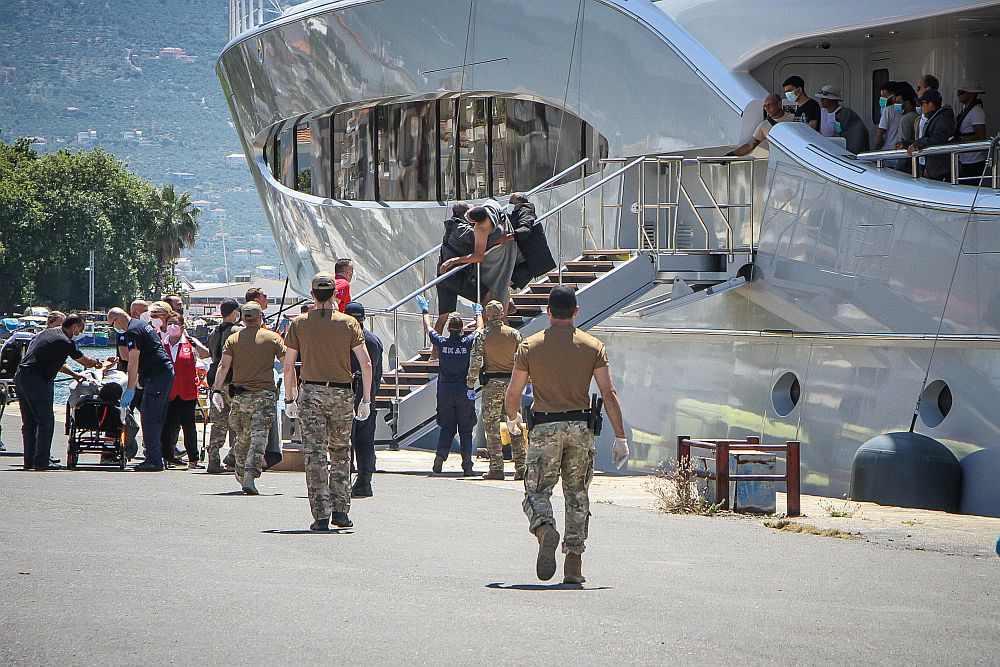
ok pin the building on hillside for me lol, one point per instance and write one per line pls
(88, 138)
(236, 160)
(266, 271)
(182, 178)
(203, 298)
(134, 136)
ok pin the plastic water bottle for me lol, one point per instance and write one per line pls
(505, 440)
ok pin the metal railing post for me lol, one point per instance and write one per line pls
(395, 342)
(954, 168)
(559, 244)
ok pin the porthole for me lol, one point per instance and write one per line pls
(785, 394)
(935, 403)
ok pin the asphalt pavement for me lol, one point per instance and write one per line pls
(104, 567)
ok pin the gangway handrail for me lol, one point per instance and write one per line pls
(586, 191)
(951, 150)
(413, 262)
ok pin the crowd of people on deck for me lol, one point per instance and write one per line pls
(910, 119)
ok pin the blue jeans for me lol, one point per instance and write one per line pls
(35, 396)
(456, 413)
(153, 412)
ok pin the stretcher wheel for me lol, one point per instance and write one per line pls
(71, 459)
(122, 459)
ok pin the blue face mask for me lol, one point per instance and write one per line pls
(836, 126)
(791, 96)
(898, 108)
(883, 102)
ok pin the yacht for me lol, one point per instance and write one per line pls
(804, 293)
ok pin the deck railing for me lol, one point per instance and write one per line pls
(953, 151)
(248, 14)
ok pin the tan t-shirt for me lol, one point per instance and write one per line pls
(499, 349)
(324, 338)
(760, 134)
(560, 362)
(253, 352)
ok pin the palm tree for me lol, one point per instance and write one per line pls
(176, 229)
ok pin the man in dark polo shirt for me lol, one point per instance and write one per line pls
(148, 365)
(35, 382)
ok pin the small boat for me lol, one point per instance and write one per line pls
(93, 336)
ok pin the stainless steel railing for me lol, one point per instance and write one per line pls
(951, 150)
(248, 14)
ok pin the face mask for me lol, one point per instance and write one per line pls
(174, 329)
(898, 108)
(156, 322)
(508, 209)
(791, 96)
(883, 102)
(145, 317)
(836, 126)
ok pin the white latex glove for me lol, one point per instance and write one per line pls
(292, 409)
(514, 425)
(619, 452)
(218, 401)
(364, 410)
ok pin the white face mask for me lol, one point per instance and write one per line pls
(145, 317)
(791, 96)
(156, 323)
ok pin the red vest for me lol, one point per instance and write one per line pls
(185, 377)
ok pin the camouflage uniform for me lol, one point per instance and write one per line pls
(493, 415)
(252, 414)
(325, 416)
(564, 449)
(220, 427)
(494, 392)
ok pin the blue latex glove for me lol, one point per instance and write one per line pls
(477, 309)
(422, 304)
(127, 397)
(471, 394)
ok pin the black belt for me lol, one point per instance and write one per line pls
(341, 385)
(494, 376)
(552, 417)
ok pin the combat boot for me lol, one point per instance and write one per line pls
(362, 486)
(438, 462)
(230, 461)
(573, 569)
(548, 541)
(320, 525)
(249, 487)
(494, 474)
(215, 468)
(341, 520)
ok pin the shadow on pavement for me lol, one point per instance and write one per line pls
(332, 531)
(545, 587)
(240, 493)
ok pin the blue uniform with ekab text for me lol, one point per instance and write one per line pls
(456, 411)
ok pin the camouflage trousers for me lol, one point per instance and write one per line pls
(251, 415)
(494, 414)
(566, 449)
(220, 426)
(326, 415)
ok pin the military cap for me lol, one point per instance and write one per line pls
(324, 280)
(252, 310)
(493, 310)
(563, 297)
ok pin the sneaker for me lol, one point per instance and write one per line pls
(438, 462)
(494, 474)
(320, 525)
(341, 520)
(147, 467)
(548, 542)
(194, 465)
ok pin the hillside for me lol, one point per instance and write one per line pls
(68, 67)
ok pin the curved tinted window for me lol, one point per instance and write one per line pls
(470, 147)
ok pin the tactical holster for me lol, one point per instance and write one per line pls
(592, 415)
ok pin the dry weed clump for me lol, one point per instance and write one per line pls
(677, 491)
(806, 529)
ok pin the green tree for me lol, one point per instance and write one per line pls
(55, 209)
(176, 229)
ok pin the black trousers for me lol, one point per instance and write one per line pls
(180, 415)
(35, 396)
(455, 412)
(363, 442)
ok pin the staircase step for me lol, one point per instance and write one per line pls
(575, 277)
(427, 365)
(596, 265)
(529, 297)
(395, 376)
(620, 252)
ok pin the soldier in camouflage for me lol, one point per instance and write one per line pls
(323, 399)
(561, 362)
(221, 425)
(492, 362)
(250, 354)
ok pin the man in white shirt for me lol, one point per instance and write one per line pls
(971, 126)
(775, 114)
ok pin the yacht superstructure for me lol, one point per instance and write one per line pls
(804, 294)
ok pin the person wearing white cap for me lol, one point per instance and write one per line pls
(971, 124)
(846, 123)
